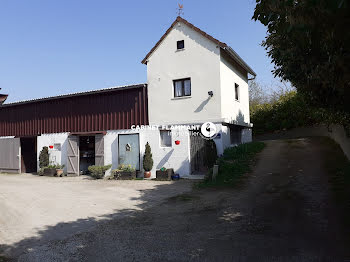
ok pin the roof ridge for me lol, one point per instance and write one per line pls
(223, 45)
(106, 89)
(180, 19)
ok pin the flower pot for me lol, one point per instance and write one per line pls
(125, 175)
(49, 171)
(59, 172)
(164, 175)
(147, 174)
(175, 177)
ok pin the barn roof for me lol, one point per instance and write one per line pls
(90, 92)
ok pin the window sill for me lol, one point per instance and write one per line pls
(236, 100)
(180, 50)
(181, 97)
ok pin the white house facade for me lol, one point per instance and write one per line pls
(192, 78)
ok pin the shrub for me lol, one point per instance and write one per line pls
(124, 168)
(292, 110)
(235, 162)
(56, 166)
(98, 172)
(147, 159)
(44, 157)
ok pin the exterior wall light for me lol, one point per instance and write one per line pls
(210, 93)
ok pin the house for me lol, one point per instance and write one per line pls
(192, 79)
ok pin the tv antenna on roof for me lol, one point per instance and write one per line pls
(180, 10)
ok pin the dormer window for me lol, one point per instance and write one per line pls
(180, 45)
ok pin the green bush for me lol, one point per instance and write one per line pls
(98, 172)
(44, 157)
(235, 162)
(292, 110)
(147, 159)
(124, 168)
(57, 166)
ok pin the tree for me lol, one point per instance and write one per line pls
(44, 157)
(147, 159)
(309, 42)
(256, 95)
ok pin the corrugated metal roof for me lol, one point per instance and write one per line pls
(96, 91)
(92, 111)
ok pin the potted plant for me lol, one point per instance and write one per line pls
(164, 173)
(124, 172)
(98, 172)
(59, 170)
(43, 160)
(50, 170)
(147, 161)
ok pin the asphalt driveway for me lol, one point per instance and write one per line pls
(30, 204)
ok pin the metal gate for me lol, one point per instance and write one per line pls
(10, 152)
(73, 156)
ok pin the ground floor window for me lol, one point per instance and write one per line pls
(165, 138)
(235, 135)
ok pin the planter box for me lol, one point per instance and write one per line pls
(59, 172)
(165, 175)
(50, 172)
(125, 175)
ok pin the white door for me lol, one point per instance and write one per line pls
(129, 150)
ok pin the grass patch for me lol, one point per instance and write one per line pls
(338, 167)
(235, 162)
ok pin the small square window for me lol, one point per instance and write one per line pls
(165, 138)
(237, 92)
(182, 87)
(180, 44)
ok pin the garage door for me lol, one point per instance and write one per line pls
(10, 155)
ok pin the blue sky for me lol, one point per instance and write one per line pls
(55, 47)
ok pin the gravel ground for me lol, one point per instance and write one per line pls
(37, 209)
(282, 212)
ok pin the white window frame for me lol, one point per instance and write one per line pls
(161, 141)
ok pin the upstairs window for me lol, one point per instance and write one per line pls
(237, 92)
(182, 87)
(180, 45)
(165, 138)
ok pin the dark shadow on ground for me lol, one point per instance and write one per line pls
(284, 212)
